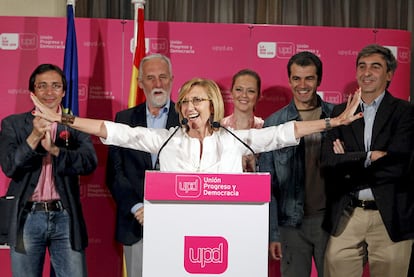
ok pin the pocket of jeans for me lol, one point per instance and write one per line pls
(284, 155)
(8, 209)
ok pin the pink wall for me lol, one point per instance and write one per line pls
(213, 51)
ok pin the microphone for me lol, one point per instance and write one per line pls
(216, 124)
(184, 121)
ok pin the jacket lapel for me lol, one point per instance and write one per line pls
(140, 119)
(358, 131)
(384, 112)
(140, 116)
(172, 119)
(28, 126)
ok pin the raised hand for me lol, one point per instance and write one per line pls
(44, 112)
(348, 115)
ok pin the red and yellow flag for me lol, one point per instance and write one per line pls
(136, 94)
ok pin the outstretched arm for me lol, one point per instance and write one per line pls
(90, 126)
(303, 128)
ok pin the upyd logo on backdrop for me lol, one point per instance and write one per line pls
(29, 41)
(205, 254)
(14, 41)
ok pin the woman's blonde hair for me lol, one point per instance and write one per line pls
(213, 94)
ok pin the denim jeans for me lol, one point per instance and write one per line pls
(49, 230)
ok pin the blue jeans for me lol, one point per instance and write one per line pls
(47, 230)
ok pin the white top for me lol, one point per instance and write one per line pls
(221, 151)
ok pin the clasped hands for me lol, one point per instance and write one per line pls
(41, 131)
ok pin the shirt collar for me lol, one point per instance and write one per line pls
(377, 101)
(163, 110)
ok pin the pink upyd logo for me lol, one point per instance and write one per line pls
(205, 255)
(28, 41)
(404, 54)
(188, 186)
(285, 49)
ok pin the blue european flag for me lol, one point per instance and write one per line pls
(70, 66)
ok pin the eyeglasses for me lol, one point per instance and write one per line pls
(43, 86)
(195, 101)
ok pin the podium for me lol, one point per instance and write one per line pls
(206, 224)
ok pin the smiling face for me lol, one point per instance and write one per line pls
(197, 108)
(200, 102)
(48, 88)
(245, 93)
(372, 75)
(303, 82)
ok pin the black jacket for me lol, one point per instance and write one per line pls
(23, 165)
(388, 177)
(125, 174)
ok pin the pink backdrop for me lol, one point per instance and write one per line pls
(213, 51)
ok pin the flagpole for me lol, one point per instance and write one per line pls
(137, 4)
(71, 2)
(70, 63)
(136, 94)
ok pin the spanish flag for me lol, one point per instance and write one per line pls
(136, 95)
(70, 64)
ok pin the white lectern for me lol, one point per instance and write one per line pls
(202, 224)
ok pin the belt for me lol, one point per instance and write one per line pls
(365, 204)
(47, 206)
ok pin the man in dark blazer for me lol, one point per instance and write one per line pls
(370, 209)
(126, 168)
(44, 162)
